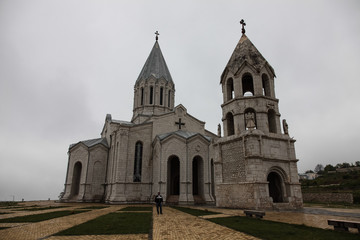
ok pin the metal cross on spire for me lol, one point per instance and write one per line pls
(157, 35)
(242, 22)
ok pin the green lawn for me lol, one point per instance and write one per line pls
(131, 209)
(94, 207)
(39, 217)
(40, 208)
(270, 230)
(195, 212)
(113, 223)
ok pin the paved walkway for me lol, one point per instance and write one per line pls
(173, 224)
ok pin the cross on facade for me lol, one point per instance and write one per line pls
(157, 35)
(242, 22)
(179, 123)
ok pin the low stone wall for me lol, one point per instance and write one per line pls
(328, 197)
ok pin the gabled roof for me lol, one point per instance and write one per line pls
(92, 142)
(155, 66)
(246, 52)
(183, 134)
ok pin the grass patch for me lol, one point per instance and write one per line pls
(113, 223)
(275, 230)
(8, 204)
(135, 209)
(195, 212)
(94, 207)
(40, 208)
(39, 217)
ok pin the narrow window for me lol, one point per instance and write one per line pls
(169, 97)
(138, 162)
(229, 89)
(272, 121)
(142, 96)
(151, 94)
(248, 85)
(230, 124)
(161, 95)
(266, 85)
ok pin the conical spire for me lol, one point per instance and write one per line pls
(246, 52)
(155, 66)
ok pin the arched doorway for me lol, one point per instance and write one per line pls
(173, 176)
(75, 185)
(197, 175)
(275, 187)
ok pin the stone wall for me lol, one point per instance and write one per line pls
(328, 197)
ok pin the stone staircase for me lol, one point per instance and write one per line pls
(198, 200)
(281, 206)
(172, 200)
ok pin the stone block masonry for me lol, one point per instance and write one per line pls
(328, 197)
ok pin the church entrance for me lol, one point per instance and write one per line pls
(75, 185)
(275, 188)
(197, 179)
(173, 176)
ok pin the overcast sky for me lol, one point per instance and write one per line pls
(65, 64)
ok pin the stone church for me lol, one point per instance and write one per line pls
(166, 149)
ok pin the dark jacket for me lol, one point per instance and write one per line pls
(158, 199)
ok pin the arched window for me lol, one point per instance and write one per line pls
(250, 119)
(248, 85)
(272, 121)
(151, 94)
(230, 124)
(138, 162)
(266, 85)
(161, 95)
(229, 89)
(142, 97)
(169, 98)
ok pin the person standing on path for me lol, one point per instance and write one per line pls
(158, 201)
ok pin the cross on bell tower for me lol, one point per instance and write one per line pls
(157, 35)
(242, 22)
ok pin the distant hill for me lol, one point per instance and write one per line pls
(334, 182)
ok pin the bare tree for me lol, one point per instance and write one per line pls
(319, 168)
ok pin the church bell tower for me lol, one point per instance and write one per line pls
(154, 90)
(255, 162)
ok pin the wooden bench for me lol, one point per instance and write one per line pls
(343, 225)
(258, 214)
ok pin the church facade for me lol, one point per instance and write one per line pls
(165, 149)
